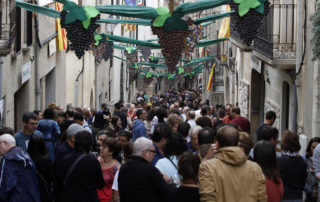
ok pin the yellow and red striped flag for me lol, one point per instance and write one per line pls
(129, 27)
(62, 33)
(211, 78)
(224, 31)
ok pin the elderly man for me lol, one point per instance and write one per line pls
(138, 179)
(229, 176)
(18, 175)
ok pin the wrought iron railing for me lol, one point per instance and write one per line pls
(276, 37)
(7, 25)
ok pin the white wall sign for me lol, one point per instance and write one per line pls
(52, 47)
(26, 72)
(255, 64)
(1, 111)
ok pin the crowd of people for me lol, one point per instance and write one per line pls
(168, 147)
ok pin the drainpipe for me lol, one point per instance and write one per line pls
(77, 85)
(1, 63)
(301, 6)
(37, 47)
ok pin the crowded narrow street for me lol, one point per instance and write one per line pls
(159, 101)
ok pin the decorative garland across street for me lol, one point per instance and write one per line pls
(175, 35)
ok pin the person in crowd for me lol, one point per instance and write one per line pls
(148, 122)
(292, 167)
(265, 156)
(228, 118)
(138, 179)
(271, 134)
(22, 138)
(246, 143)
(64, 149)
(190, 118)
(118, 112)
(81, 173)
(61, 117)
(160, 135)
(229, 176)
(68, 120)
(193, 145)
(115, 125)
(124, 139)
(269, 120)
(205, 111)
(204, 121)
(103, 135)
(139, 129)
(217, 122)
(188, 191)
(242, 122)
(18, 175)
(79, 119)
(6, 130)
(132, 112)
(50, 131)
(205, 141)
(38, 113)
(311, 187)
(175, 146)
(44, 166)
(173, 121)
(100, 123)
(109, 151)
(184, 129)
(161, 115)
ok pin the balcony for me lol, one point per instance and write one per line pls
(7, 26)
(276, 39)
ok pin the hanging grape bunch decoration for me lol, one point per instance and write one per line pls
(195, 34)
(133, 74)
(172, 33)
(98, 51)
(80, 24)
(248, 17)
(131, 56)
(148, 81)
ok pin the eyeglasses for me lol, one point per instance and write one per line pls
(153, 151)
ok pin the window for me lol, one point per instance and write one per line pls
(18, 30)
(27, 28)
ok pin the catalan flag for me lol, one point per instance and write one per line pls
(224, 31)
(129, 27)
(62, 34)
(211, 78)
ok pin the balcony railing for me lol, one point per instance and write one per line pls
(276, 38)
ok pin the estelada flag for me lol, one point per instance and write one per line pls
(224, 31)
(211, 77)
(62, 33)
(129, 27)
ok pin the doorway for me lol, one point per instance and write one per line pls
(285, 106)
(257, 100)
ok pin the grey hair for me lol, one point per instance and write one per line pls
(194, 130)
(9, 139)
(140, 145)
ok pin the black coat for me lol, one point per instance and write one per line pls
(141, 181)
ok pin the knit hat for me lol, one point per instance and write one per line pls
(73, 129)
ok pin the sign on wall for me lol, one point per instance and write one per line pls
(26, 72)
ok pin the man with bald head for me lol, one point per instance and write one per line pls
(191, 115)
(229, 176)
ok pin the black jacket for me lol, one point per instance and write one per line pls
(83, 182)
(293, 171)
(141, 181)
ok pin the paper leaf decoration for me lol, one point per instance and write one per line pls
(74, 12)
(246, 5)
(260, 8)
(171, 76)
(180, 70)
(149, 74)
(91, 12)
(173, 23)
(97, 38)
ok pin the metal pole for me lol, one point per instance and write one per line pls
(37, 66)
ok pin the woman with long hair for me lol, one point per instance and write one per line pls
(115, 126)
(311, 187)
(109, 151)
(39, 154)
(265, 156)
